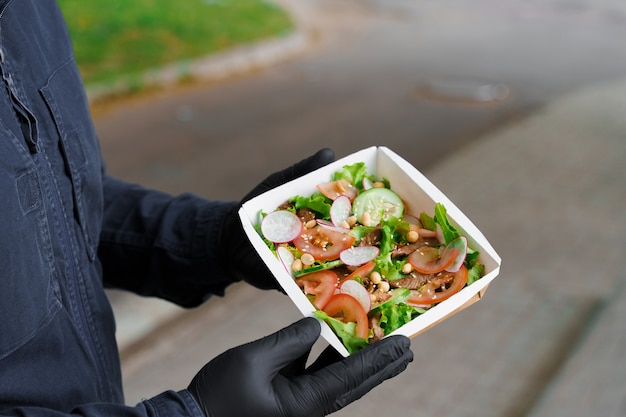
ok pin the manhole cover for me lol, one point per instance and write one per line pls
(462, 92)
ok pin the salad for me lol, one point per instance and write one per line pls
(366, 265)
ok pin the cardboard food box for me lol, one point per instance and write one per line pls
(418, 194)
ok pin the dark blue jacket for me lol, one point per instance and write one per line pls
(67, 230)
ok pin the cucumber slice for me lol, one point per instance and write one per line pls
(379, 204)
(318, 267)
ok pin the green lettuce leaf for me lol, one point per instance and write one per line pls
(345, 331)
(316, 202)
(394, 316)
(354, 174)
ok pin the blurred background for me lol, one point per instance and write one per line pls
(514, 109)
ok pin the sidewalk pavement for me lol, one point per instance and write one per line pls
(548, 338)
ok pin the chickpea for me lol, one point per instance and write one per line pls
(307, 259)
(296, 265)
(352, 220)
(373, 298)
(310, 224)
(375, 278)
(345, 224)
(378, 184)
(412, 236)
(407, 268)
(384, 286)
(366, 219)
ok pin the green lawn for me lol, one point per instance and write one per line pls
(123, 38)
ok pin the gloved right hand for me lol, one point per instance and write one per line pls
(268, 378)
(240, 259)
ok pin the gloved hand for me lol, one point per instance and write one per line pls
(240, 257)
(267, 377)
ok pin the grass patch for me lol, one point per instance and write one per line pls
(121, 38)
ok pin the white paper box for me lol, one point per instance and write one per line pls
(418, 194)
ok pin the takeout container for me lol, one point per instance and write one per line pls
(418, 194)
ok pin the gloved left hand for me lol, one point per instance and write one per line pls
(268, 377)
(242, 260)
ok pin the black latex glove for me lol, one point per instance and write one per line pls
(267, 378)
(240, 257)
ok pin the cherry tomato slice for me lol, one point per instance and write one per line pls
(346, 308)
(323, 243)
(321, 284)
(432, 292)
(334, 189)
(362, 271)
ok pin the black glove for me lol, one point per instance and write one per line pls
(268, 378)
(240, 257)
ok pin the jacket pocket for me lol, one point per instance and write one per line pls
(30, 292)
(66, 99)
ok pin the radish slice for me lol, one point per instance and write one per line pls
(367, 183)
(286, 257)
(440, 236)
(281, 226)
(358, 291)
(340, 210)
(328, 225)
(459, 243)
(358, 255)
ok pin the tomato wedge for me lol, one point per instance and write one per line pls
(321, 284)
(346, 308)
(432, 293)
(334, 189)
(323, 243)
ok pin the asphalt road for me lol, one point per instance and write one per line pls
(410, 75)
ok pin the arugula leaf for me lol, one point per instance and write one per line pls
(427, 221)
(345, 331)
(441, 217)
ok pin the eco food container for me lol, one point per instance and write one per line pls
(418, 194)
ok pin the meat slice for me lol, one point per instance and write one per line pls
(373, 238)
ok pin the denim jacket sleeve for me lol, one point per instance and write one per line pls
(159, 245)
(166, 404)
